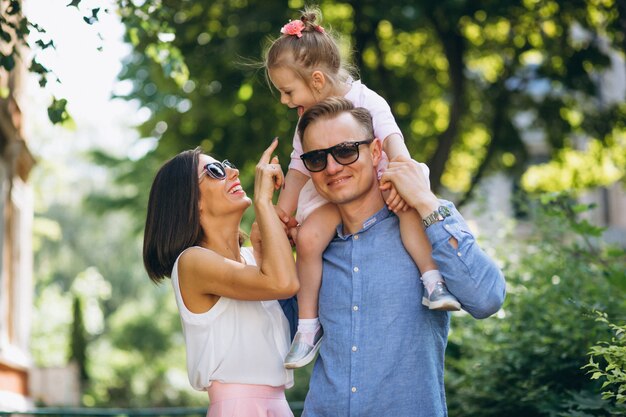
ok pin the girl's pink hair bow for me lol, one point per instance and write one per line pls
(294, 27)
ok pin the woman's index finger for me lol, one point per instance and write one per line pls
(265, 158)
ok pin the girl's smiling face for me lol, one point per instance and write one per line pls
(294, 91)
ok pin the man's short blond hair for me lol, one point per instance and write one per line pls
(331, 108)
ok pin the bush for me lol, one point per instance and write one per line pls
(611, 365)
(527, 362)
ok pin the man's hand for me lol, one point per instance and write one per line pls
(410, 182)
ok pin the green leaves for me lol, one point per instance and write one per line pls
(37, 68)
(563, 205)
(90, 20)
(4, 35)
(14, 28)
(611, 365)
(171, 60)
(57, 111)
(45, 45)
(7, 61)
(13, 8)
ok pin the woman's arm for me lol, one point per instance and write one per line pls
(275, 277)
(277, 256)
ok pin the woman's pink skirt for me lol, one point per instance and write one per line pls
(243, 400)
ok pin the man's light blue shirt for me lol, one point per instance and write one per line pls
(383, 351)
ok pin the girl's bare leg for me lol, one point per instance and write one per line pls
(416, 243)
(313, 237)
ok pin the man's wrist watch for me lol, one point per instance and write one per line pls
(436, 216)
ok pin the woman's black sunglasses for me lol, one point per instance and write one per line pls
(216, 170)
(345, 153)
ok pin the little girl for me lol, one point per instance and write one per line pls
(305, 66)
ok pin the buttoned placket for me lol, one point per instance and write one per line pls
(357, 287)
(357, 249)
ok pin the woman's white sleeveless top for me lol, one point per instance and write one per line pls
(236, 341)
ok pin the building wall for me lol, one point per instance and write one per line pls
(16, 288)
(16, 214)
(56, 386)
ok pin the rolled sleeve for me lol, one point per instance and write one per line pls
(470, 274)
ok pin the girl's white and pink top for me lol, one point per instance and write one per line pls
(242, 342)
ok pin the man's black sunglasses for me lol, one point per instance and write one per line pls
(216, 170)
(345, 153)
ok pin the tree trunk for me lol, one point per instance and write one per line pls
(454, 48)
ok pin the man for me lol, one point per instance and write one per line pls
(383, 351)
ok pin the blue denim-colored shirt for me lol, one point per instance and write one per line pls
(383, 351)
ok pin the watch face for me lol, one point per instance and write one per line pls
(444, 211)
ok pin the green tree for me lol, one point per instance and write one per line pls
(78, 339)
(457, 75)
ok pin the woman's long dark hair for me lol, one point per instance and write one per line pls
(173, 217)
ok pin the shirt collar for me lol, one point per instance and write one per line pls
(380, 215)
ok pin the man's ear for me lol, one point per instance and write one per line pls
(318, 81)
(376, 150)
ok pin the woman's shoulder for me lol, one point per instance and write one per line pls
(193, 256)
(197, 254)
(192, 252)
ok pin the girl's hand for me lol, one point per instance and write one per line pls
(269, 175)
(289, 223)
(394, 201)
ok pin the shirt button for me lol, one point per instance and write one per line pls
(447, 226)
(354, 348)
(355, 308)
(458, 253)
(356, 237)
(353, 389)
(356, 269)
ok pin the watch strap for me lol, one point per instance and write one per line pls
(436, 216)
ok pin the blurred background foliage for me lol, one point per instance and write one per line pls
(466, 81)
(528, 361)
(472, 85)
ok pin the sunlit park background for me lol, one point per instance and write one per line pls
(518, 107)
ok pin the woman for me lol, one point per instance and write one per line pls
(236, 334)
